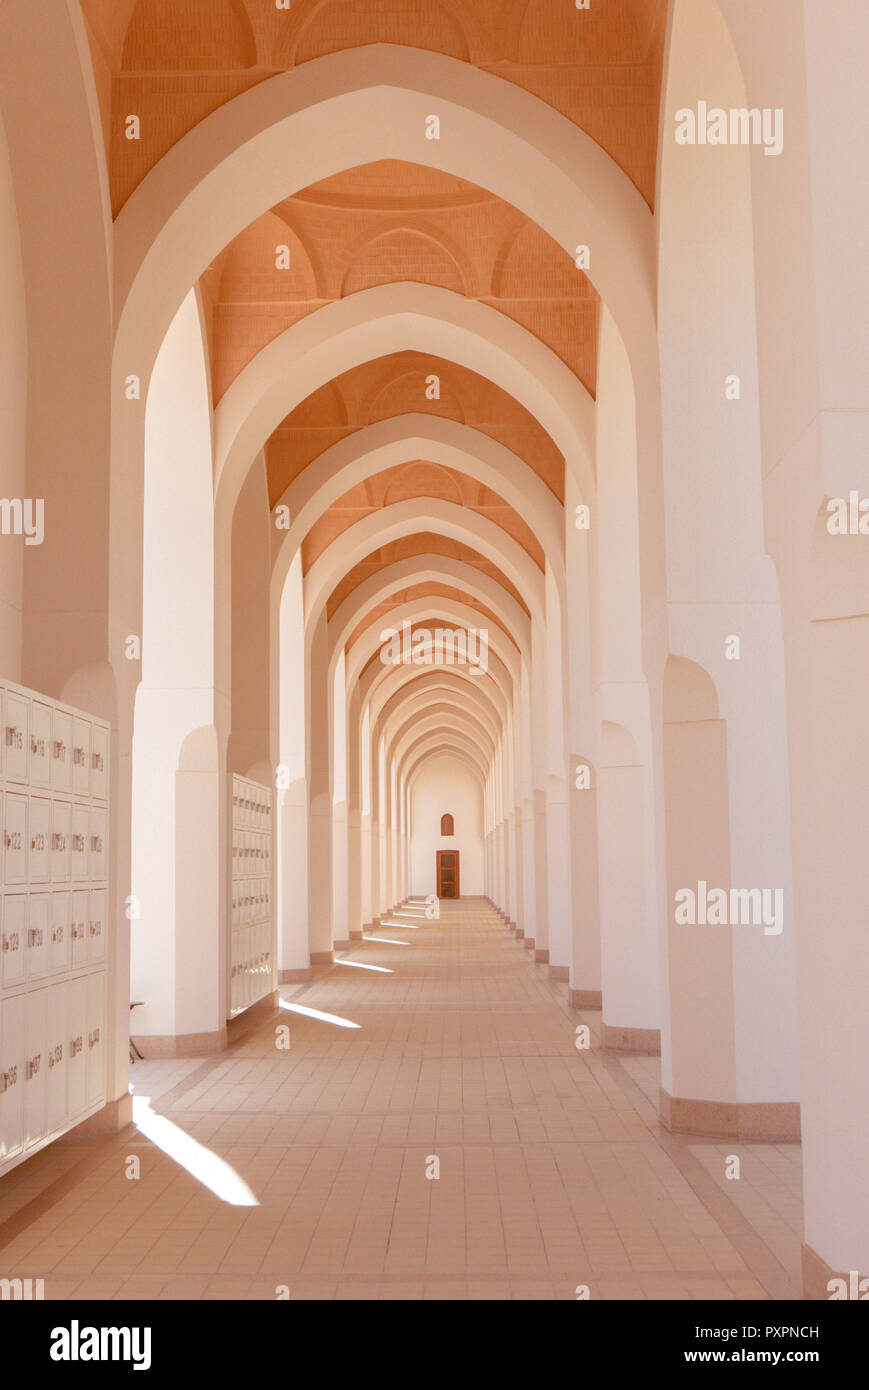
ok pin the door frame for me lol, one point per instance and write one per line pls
(458, 891)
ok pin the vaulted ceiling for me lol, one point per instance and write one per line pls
(174, 62)
(393, 221)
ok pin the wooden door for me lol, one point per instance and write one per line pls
(448, 873)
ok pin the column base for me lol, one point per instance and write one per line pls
(645, 1040)
(818, 1276)
(584, 998)
(295, 977)
(110, 1120)
(160, 1045)
(236, 1027)
(776, 1121)
(322, 957)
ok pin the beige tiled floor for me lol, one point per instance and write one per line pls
(553, 1170)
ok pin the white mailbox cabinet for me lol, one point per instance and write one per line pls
(252, 942)
(54, 928)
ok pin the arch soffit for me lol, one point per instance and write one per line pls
(443, 701)
(406, 747)
(502, 675)
(404, 716)
(427, 514)
(434, 738)
(420, 612)
(438, 718)
(435, 685)
(444, 750)
(434, 569)
(401, 714)
(347, 109)
(443, 738)
(376, 686)
(377, 322)
(401, 717)
(436, 439)
(408, 740)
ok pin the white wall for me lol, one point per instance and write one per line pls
(446, 785)
(176, 696)
(13, 409)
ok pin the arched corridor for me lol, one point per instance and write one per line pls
(433, 612)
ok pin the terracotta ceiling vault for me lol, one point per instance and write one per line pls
(173, 62)
(420, 543)
(385, 222)
(395, 385)
(411, 480)
(424, 591)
